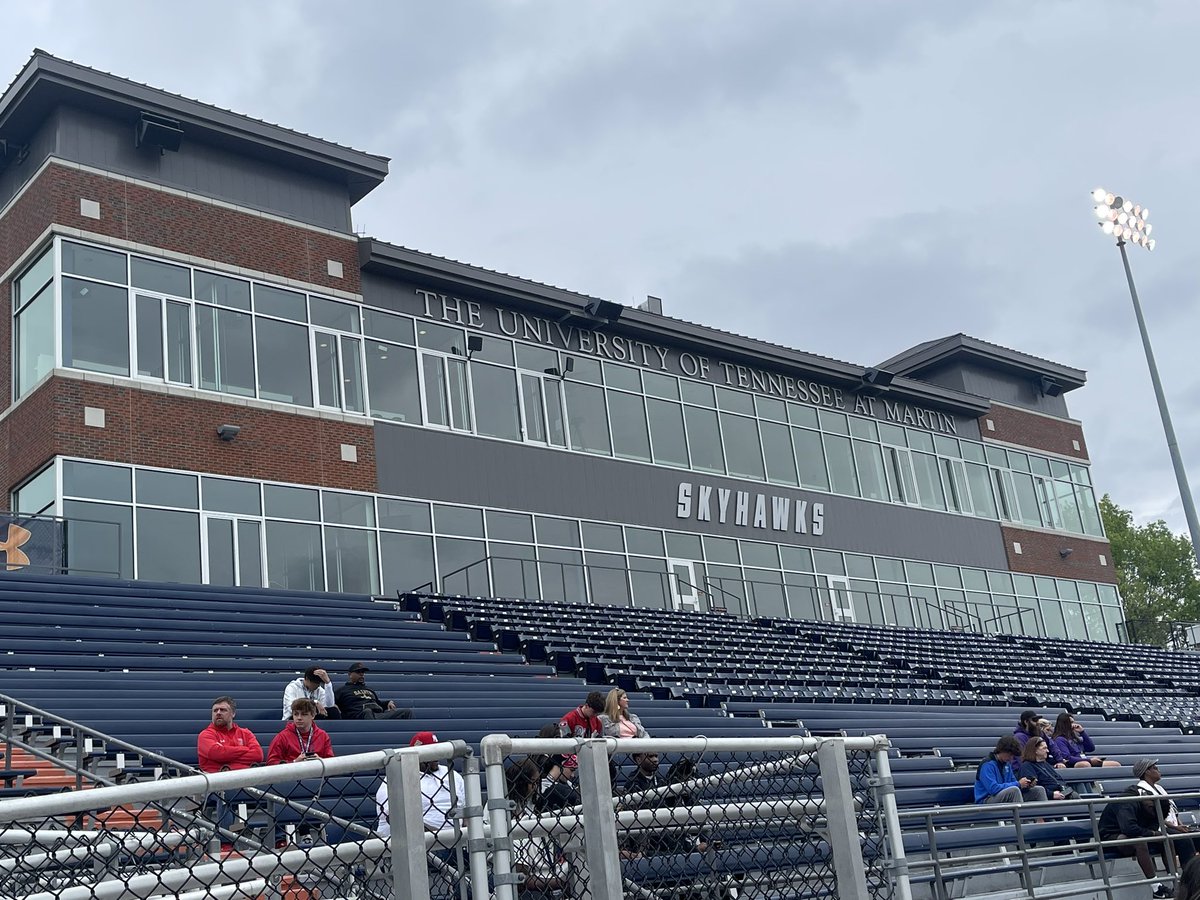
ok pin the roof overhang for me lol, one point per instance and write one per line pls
(963, 348)
(47, 82)
(465, 280)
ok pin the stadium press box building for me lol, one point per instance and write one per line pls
(211, 378)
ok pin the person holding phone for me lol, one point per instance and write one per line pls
(1073, 746)
(1035, 764)
(301, 738)
(997, 782)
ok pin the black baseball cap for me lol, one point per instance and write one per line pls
(359, 667)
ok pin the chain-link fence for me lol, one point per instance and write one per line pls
(557, 819)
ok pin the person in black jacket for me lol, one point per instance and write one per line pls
(1123, 819)
(357, 701)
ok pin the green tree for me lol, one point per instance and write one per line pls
(1156, 572)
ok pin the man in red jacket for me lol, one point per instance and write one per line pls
(222, 745)
(300, 739)
(582, 721)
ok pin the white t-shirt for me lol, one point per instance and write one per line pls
(436, 802)
(1172, 816)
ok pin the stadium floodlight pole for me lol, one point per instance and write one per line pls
(1129, 222)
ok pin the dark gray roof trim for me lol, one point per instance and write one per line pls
(47, 81)
(958, 347)
(466, 280)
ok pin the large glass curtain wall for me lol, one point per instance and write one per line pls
(178, 526)
(122, 314)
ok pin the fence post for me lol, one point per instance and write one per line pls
(495, 748)
(477, 845)
(885, 791)
(410, 871)
(842, 818)
(599, 822)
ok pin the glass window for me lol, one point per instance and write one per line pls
(446, 400)
(405, 515)
(226, 347)
(666, 432)
(608, 580)
(162, 277)
(148, 320)
(704, 439)
(859, 566)
(1079, 474)
(1064, 494)
(810, 459)
(833, 422)
(721, 550)
(536, 359)
(507, 526)
(96, 482)
(388, 327)
(972, 451)
(828, 562)
(585, 369)
(756, 553)
(863, 428)
(777, 448)
(929, 481)
(623, 377)
(168, 545)
(342, 316)
(603, 537)
(562, 532)
(770, 408)
(889, 569)
(294, 556)
(1000, 582)
(179, 342)
(542, 403)
(1018, 462)
(647, 541)
(461, 566)
(95, 329)
(735, 401)
(841, 465)
(395, 387)
(981, 490)
(996, 457)
(36, 277)
(1026, 499)
(283, 373)
(898, 463)
(803, 415)
(35, 341)
(99, 538)
(798, 559)
(495, 350)
(698, 393)
(222, 290)
(351, 560)
(918, 572)
(224, 495)
(627, 412)
(352, 379)
(587, 418)
(439, 337)
(93, 262)
(348, 509)
(496, 408)
(1040, 466)
(273, 301)
(407, 561)
(292, 502)
(463, 520)
(946, 446)
(167, 489)
(743, 453)
(870, 470)
(1088, 510)
(664, 386)
(37, 494)
(947, 576)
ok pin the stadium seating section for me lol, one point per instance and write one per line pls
(141, 662)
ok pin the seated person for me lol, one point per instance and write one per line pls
(314, 685)
(1123, 819)
(1073, 746)
(558, 787)
(538, 857)
(301, 738)
(223, 746)
(583, 721)
(617, 721)
(996, 782)
(1035, 764)
(1150, 784)
(357, 701)
(1027, 725)
(651, 840)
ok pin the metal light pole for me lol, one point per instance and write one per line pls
(1128, 222)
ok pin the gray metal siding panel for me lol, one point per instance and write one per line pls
(95, 140)
(14, 175)
(435, 465)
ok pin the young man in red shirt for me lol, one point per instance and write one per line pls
(300, 739)
(583, 721)
(222, 745)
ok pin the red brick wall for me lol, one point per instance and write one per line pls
(1040, 555)
(152, 429)
(1015, 426)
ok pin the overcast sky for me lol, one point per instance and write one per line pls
(847, 178)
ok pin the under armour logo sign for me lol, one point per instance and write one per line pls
(18, 537)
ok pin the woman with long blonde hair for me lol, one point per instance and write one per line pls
(617, 720)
